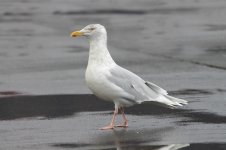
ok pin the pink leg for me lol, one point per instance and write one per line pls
(125, 123)
(112, 124)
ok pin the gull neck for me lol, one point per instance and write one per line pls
(98, 52)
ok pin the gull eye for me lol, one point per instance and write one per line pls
(91, 29)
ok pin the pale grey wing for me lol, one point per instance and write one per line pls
(156, 88)
(132, 84)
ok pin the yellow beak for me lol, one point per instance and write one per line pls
(76, 33)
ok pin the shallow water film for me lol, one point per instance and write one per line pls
(178, 45)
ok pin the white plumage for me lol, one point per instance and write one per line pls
(109, 81)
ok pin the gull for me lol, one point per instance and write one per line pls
(110, 82)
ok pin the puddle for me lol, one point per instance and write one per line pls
(123, 146)
(101, 11)
(203, 117)
(190, 92)
(50, 106)
(217, 50)
(17, 14)
(70, 145)
(219, 27)
(120, 139)
(54, 106)
(166, 11)
(9, 93)
(130, 147)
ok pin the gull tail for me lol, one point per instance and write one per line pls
(171, 101)
(164, 98)
(176, 101)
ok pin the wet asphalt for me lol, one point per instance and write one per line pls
(44, 101)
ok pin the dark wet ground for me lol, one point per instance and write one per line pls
(179, 45)
(73, 122)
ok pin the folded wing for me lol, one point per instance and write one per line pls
(140, 90)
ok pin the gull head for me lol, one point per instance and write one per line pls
(92, 31)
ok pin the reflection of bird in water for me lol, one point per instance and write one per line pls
(109, 81)
(131, 140)
(173, 147)
(133, 145)
(150, 147)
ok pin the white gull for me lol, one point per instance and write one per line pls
(110, 82)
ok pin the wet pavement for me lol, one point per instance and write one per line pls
(73, 122)
(179, 45)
